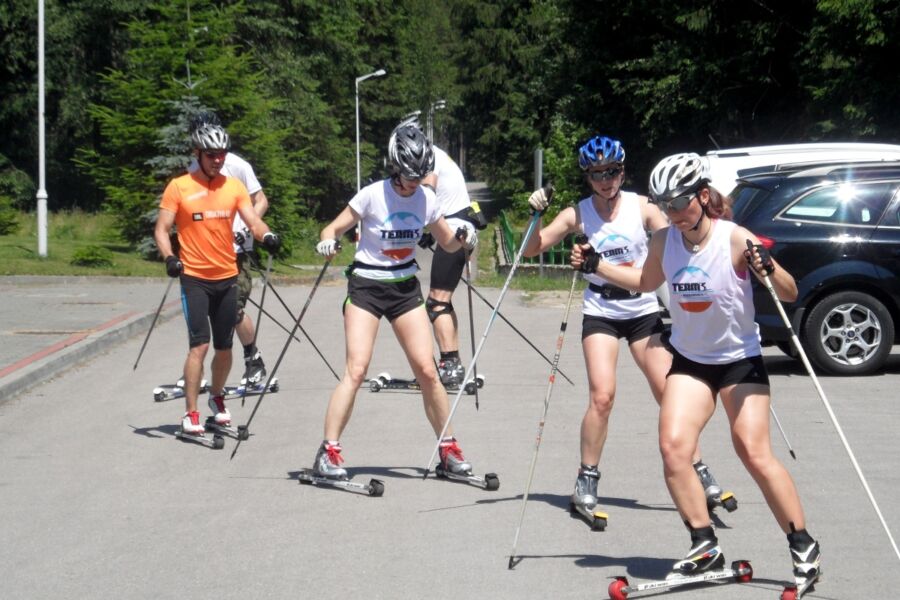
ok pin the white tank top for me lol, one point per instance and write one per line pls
(712, 307)
(622, 241)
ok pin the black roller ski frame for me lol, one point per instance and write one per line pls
(385, 382)
(796, 591)
(166, 392)
(726, 500)
(489, 482)
(596, 518)
(739, 572)
(255, 389)
(375, 487)
(239, 433)
(216, 441)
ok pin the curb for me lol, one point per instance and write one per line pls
(50, 362)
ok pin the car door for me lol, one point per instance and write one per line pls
(885, 249)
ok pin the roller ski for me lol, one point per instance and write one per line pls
(454, 467)
(192, 431)
(327, 472)
(584, 500)
(220, 421)
(715, 497)
(167, 392)
(805, 555)
(740, 572)
(384, 381)
(253, 389)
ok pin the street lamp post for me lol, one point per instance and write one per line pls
(436, 105)
(377, 73)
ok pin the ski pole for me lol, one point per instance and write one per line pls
(287, 343)
(540, 431)
(802, 353)
(262, 299)
(459, 393)
(475, 291)
(472, 326)
(153, 323)
(302, 330)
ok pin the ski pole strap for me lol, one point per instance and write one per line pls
(612, 292)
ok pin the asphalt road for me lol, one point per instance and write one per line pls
(99, 500)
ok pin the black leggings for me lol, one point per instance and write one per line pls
(206, 303)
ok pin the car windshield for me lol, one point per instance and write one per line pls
(745, 198)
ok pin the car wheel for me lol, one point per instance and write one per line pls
(849, 333)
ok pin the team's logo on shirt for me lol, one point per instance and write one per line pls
(690, 288)
(616, 248)
(399, 234)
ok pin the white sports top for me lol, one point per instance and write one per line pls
(452, 195)
(390, 227)
(622, 241)
(712, 307)
(240, 169)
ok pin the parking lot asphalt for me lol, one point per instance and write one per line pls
(100, 500)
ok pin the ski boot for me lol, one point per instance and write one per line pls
(328, 472)
(714, 495)
(704, 555)
(584, 500)
(254, 369)
(453, 466)
(192, 431)
(220, 421)
(451, 372)
(166, 392)
(805, 556)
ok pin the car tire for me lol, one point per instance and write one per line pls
(788, 349)
(848, 333)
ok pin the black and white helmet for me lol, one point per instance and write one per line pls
(210, 137)
(678, 175)
(410, 153)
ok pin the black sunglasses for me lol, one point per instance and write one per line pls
(605, 174)
(677, 204)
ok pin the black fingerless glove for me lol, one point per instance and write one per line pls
(426, 241)
(764, 256)
(271, 242)
(174, 267)
(591, 262)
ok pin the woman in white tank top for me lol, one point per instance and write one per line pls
(717, 353)
(616, 224)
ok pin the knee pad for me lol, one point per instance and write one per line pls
(436, 308)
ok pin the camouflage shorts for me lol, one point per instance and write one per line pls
(244, 280)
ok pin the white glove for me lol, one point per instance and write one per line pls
(327, 247)
(539, 200)
(468, 237)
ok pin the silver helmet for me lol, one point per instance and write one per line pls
(210, 137)
(410, 152)
(677, 175)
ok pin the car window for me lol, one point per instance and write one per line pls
(849, 203)
(745, 199)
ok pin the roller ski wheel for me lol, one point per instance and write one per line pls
(596, 518)
(479, 381)
(374, 488)
(239, 432)
(726, 501)
(255, 389)
(216, 441)
(796, 591)
(739, 572)
(489, 482)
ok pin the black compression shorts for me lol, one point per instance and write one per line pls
(631, 329)
(744, 370)
(384, 298)
(447, 268)
(209, 304)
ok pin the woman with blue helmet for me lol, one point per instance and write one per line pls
(615, 223)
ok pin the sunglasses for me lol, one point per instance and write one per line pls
(605, 174)
(676, 204)
(215, 154)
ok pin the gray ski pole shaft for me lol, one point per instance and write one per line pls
(302, 330)
(459, 393)
(472, 327)
(540, 431)
(287, 343)
(837, 426)
(153, 323)
(256, 327)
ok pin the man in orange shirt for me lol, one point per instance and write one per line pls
(202, 205)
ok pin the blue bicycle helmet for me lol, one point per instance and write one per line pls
(600, 151)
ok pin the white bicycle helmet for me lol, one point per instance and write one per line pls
(410, 152)
(211, 137)
(678, 175)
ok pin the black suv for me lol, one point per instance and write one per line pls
(836, 229)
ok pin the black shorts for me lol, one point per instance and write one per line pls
(447, 268)
(384, 298)
(209, 304)
(634, 329)
(744, 370)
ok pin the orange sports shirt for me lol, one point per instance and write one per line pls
(204, 211)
